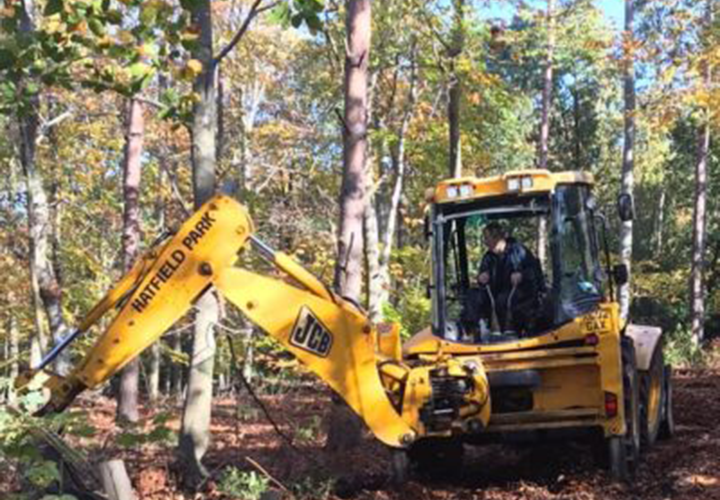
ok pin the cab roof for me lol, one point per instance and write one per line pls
(514, 182)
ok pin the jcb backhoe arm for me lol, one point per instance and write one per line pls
(328, 334)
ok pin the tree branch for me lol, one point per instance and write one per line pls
(254, 11)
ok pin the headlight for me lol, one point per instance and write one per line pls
(527, 182)
(466, 190)
(513, 184)
(452, 191)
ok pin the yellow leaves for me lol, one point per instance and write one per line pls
(463, 65)
(194, 66)
(125, 37)
(191, 34)
(7, 11)
(80, 28)
(483, 79)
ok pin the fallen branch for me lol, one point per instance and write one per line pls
(267, 474)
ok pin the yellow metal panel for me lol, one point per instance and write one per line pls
(569, 387)
(541, 363)
(538, 353)
(347, 361)
(427, 343)
(543, 416)
(534, 426)
(543, 181)
(388, 335)
(611, 363)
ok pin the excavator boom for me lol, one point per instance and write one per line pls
(331, 336)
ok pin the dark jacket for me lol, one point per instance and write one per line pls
(516, 258)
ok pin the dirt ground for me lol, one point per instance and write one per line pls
(686, 467)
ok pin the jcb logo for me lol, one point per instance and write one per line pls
(310, 335)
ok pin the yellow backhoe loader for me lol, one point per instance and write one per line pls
(564, 365)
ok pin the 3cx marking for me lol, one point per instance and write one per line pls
(310, 335)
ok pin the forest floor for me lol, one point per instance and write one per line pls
(686, 467)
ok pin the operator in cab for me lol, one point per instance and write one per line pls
(511, 283)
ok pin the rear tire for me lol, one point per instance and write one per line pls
(624, 451)
(400, 463)
(667, 427)
(652, 396)
(437, 458)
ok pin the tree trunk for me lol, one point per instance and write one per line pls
(127, 404)
(116, 481)
(543, 145)
(177, 369)
(250, 99)
(39, 220)
(348, 272)
(372, 253)
(13, 354)
(455, 89)
(660, 223)
(697, 299)
(398, 160)
(154, 374)
(195, 429)
(626, 233)
(343, 428)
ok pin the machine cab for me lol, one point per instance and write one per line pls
(514, 256)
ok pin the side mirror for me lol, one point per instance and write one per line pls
(620, 274)
(626, 207)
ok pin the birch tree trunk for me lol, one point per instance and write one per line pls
(195, 428)
(176, 387)
(13, 354)
(660, 223)
(626, 233)
(154, 374)
(455, 89)
(127, 397)
(39, 220)
(372, 254)
(343, 427)
(398, 160)
(697, 299)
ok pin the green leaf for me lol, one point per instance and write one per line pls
(189, 5)
(314, 23)
(114, 16)
(53, 7)
(32, 88)
(162, 418)
(7, 59)
(129, 440)
(148, 14)
(139, 69)
(160, 434)
(43, 475)
(96, 26)
(280, 15)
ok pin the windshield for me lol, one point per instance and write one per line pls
(513, 269)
